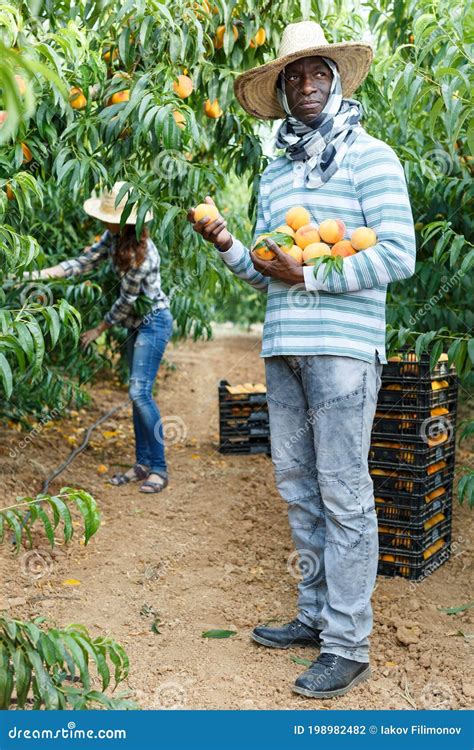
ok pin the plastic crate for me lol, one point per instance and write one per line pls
(245, 446)
(401, 455)
(407, 365)
(415, 481)
(411, 540)
(422, 423)
(415, 565)
(243, 422)
(404, 506)
(398, 393)
(227, 400)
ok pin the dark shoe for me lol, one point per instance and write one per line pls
(331, 675)
(294, 633)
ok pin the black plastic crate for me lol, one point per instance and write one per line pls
(245, 446)
(227, 400)
(414, 481)
(409, 540)
(405, 506)
(411, 367)
(415, 565)
(408, 454)
(398, 393)
(421, 423)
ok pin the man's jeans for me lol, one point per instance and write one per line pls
(321, 410)
(145, 348)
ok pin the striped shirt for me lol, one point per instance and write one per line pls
(144, 280)
(344, 315)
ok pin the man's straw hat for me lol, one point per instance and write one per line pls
(103, 207)
(256, 89)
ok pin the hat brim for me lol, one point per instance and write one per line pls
(92, 207)
(256, 89)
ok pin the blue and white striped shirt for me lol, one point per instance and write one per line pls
(344, 315)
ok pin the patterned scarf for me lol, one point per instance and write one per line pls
(324, 142)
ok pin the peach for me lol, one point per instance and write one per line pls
(362, 238)
(315, 250)
(205, 209)
(295, 252)
(343, 248)
(183, 86)
(264, 253)
(306, 235)
(297, 217)
(179, 119)
(332, 230)
(285, 229)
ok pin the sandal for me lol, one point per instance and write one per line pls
(155, 486)
(139, 472)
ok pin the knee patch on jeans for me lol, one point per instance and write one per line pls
(345, 515)
(296, 482)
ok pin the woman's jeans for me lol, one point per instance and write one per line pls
(321, 410)
(145, 347)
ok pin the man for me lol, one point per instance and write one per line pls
(324, 341)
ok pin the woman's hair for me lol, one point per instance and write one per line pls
(130, 252)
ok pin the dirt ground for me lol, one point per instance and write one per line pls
(211, 552)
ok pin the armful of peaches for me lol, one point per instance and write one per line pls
(283, 252)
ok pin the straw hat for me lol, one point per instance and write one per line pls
(256, 89)
(103, 208)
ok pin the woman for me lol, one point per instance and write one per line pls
(137, 263)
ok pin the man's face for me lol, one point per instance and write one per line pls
(307, 86)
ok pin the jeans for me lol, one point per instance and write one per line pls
(145, 347)
(321, 410)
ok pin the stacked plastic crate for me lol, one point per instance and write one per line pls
(243, 418)
(412, 464)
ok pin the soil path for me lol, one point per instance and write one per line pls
(211, 552)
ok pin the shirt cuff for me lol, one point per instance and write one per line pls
(234, 253)
(312, 284)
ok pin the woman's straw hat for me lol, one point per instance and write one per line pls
(256, 89)
(104, 208)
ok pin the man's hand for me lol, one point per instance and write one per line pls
(283, 267)
(212, 231)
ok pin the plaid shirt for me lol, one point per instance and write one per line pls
(145, 279)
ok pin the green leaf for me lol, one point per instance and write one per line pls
(6, 376)
(218, 633)
(455, 610)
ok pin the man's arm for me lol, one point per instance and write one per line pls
(234, 254)
(381, 187)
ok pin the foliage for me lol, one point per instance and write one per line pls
(50, 511)
(52, 668)
(417, 98)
